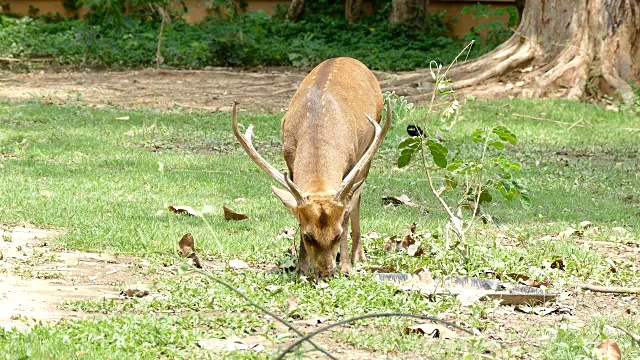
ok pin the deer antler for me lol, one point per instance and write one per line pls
(246, 143)
(349, 181)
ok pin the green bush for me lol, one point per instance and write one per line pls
(250, 39)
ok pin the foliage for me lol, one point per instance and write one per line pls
(251, 39)
(470, 181)
(495, 32)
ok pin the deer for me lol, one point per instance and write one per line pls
(329, 137)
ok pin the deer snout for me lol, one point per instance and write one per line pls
(325, 270)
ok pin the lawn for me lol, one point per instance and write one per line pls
(106, 177)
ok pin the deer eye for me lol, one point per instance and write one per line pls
(309, 239)
(337, 239)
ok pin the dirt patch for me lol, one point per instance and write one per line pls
(163, 89)
(36, 277)
(210, 90)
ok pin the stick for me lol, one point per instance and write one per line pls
(575, 124)
(610, 289)
(635, 337)
(543, 119)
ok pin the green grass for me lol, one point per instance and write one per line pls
(108, 183)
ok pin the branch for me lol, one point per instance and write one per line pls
(286, 323)
(610, 289)
(309, 336)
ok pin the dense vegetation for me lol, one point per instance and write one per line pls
(249, 39)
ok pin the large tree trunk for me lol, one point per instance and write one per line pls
(406, 10)
(352, 10)
(572, 49)
(296, 8)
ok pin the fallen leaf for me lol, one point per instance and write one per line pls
(188, 249)
(609, 350)
(288, 233)
(232, 215)
(415, 249)
(557, 264)
(184, 209)
(520, 83)
(123, 118)
(134, 293)
(272, 288)
(434, 331)
(558, 309)
(586, 224)
(314, 320)
(398, 200)
(292, 304)
(526, 280)
(408, 238)
(568, 232)
(391, 244)
(238, 264)
(233, 343)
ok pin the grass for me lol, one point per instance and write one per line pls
(108, 182)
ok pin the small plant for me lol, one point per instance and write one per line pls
(468, 180)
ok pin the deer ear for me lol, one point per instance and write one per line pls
(285, 196)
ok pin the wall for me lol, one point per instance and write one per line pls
(197, 10)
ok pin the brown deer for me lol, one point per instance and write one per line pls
(328, 140)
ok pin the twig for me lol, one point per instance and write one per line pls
(635, 337)
(575, 124)
(543, 119)
(284, 322)
(610, 289)
(309, 336)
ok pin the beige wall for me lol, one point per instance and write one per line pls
(197, 10)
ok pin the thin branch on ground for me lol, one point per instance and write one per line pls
(610, 289)
(547, 120)
(309, 336)
(284, 322)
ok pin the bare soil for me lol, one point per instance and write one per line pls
(36, 277)
(213, 90)
(208, 90)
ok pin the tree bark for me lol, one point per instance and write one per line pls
(296, 8)
(570, 49)
(406, 10)
(352, 10)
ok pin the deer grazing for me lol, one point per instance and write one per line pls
(328, 138)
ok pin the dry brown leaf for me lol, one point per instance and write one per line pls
(134, 293)
(398, 200)
(292, 304)
(434, 331)
(609, 350)
(232, 215)
(568, 232)
(390, 245)
(188, 249)
(408, 238)
(415, 249)
(184, 209)
(586, 224)
(557, 264)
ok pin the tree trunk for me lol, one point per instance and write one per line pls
(296, 8)
(406, 10)
(571, 49)
(352, 10)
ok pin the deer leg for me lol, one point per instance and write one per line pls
(357, 252)
(345, 261)
(303, 259)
